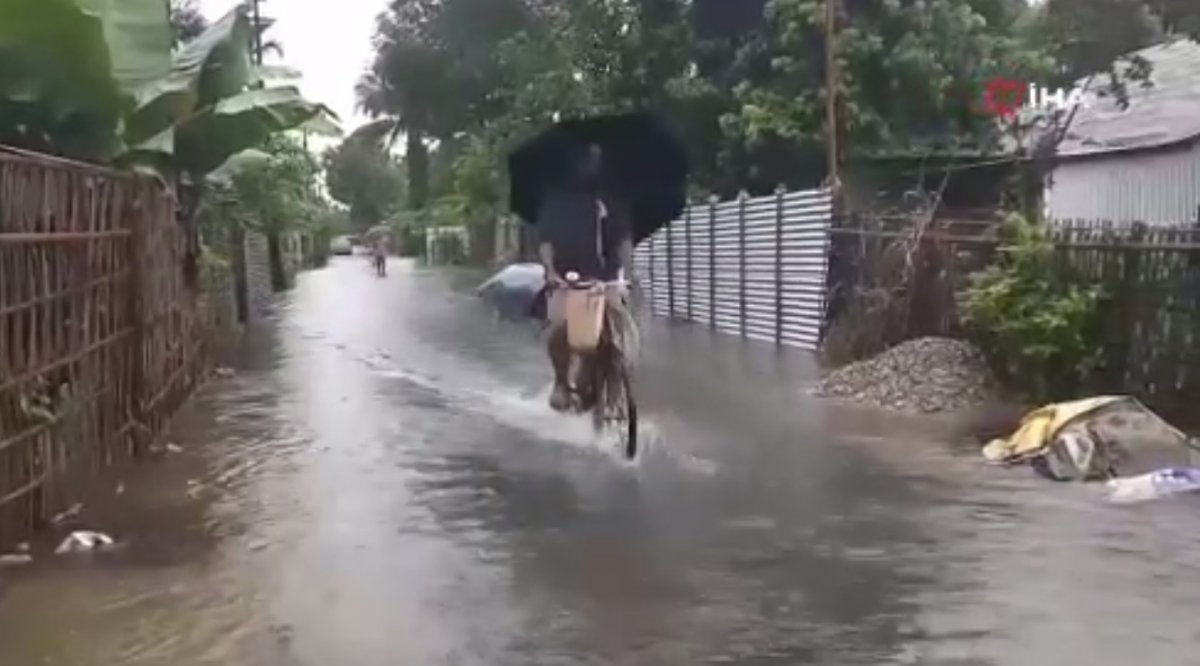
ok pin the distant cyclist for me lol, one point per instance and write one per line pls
(585, 231)
(379, 253)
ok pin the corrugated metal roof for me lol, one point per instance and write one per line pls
(1165, 113)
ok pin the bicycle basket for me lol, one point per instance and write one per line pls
(585, 318)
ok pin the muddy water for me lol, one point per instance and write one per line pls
(381, 484)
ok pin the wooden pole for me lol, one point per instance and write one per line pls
(831, 94)
(833, 129)
(258, 40)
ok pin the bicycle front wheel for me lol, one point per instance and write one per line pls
(616, 408)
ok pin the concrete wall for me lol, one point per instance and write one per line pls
(1155, 187)
(258, 274)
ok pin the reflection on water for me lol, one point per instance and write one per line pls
(381, 483)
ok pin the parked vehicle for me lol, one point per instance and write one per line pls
(341, 246)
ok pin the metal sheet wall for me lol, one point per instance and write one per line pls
(1158, 188)
(752, 266)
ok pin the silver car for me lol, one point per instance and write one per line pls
(341, 246)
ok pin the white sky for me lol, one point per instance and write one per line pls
(329, 41)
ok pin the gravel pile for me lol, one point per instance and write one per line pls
(925, 375)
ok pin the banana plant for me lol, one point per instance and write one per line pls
(58, 92)
(213, 103)
(97, 80)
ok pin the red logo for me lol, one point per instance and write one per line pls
(1003, 97)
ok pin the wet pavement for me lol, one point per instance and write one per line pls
(381, 484)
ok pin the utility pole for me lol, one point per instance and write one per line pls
(833, 127)
(258, 33)
(833, 181)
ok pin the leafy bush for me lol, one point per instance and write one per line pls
(1034, 315)
(448, 248)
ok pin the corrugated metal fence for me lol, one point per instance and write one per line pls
(753, 267)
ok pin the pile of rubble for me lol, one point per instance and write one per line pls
(924, 376)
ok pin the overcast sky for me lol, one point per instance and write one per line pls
(328, 40)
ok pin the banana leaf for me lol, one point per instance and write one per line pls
(207, 140)
(323, 124)
(230, 168)
(57, 91)
(138, 34)
(213, 66)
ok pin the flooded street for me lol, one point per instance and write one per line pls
(381, 483)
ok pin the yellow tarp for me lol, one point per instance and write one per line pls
(1039, 427)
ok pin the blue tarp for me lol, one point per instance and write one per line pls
(516, 292)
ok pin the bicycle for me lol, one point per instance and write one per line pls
(590, 334)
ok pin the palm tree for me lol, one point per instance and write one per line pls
(411, 88)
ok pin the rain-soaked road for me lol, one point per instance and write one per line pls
(381, 484)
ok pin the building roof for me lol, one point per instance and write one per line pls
(1168, 112)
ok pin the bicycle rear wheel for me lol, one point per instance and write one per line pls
(616, 407)
(631, 415)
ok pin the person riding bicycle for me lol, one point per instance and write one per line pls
(584, 230)
(379, 252)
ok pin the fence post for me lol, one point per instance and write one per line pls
(687, 266)
(831, 302)
(648, 288)
(1194, 256)
(742, 260)
(779, 265)
(136, 212)
(671, 270)
(712, 262)
(1130, 277)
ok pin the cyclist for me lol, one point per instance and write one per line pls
(585, 231)
(379, 252)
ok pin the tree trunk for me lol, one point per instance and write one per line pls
(417, 160)
(279, 278)
(241, 290)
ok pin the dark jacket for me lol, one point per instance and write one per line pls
(570, 222)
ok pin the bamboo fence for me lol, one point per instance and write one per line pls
(99, 335)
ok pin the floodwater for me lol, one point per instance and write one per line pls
(381, 484)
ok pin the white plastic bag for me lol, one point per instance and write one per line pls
(84, 541)
(1155, 485)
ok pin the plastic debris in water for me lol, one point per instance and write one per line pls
(84, 541)
(72, 512)
(1156, 484)
(15, 560)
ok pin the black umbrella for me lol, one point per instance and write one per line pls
(645, 163)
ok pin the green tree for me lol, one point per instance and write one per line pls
(187, 22)
(409, 87)
(911, 74)
(1177, 16)
(435, 74)
(271, 190)
(360, 174)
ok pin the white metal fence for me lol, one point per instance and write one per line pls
(752, 266)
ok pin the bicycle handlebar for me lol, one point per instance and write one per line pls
(572, 280)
